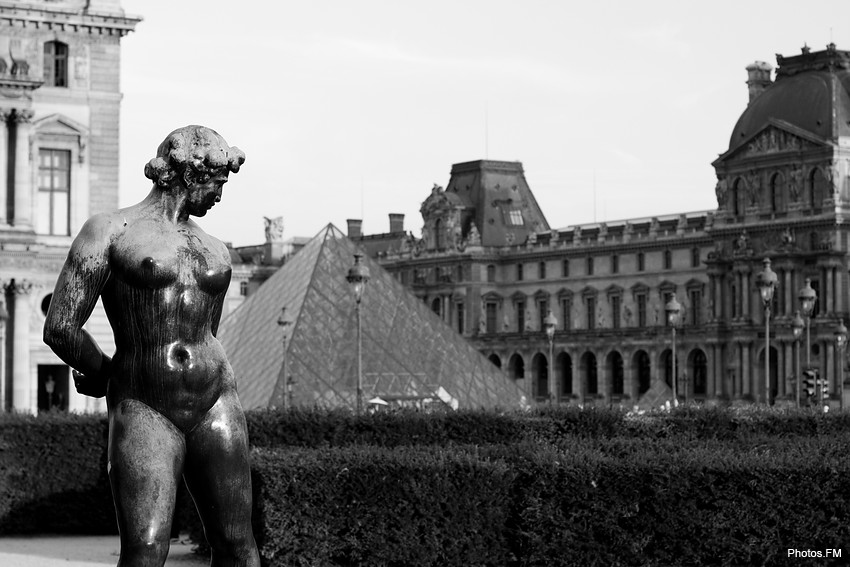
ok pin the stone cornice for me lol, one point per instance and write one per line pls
(33, 16)
(15, 88)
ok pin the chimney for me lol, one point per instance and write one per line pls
(758, 78)
(355, 227)
(396, 222)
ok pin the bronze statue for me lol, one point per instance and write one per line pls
(170, 391)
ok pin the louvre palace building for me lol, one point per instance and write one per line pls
(59, 114)
(491, 266)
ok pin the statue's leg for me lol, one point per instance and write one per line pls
(218, 476)
(146, 455)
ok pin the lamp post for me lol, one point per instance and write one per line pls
(841, 342)
(357, 276)
(284, 324)
(549, 323)
(808, 297)
(797, 325)
(4, 316)
(766, 282)
(674, 312)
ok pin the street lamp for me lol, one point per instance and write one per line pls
(766, 282)
(674, 317)
(549, 323)
(284, 324)
(808, 297)
(4, 316)
(797, 325)
(841, 342)
(357, 276)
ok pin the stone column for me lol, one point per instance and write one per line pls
(23, 385)
(746, 369)
(4, 162)
(23, 190)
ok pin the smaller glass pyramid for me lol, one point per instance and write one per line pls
(409, 355)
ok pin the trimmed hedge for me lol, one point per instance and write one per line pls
(53, 475)
(555, 486)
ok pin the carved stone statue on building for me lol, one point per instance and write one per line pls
(170, 391)
(720, 191)
(274, 229)
(795, 183)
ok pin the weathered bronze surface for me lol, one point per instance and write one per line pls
(170, 391)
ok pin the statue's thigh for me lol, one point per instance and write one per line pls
(146, 456)
(217, 470)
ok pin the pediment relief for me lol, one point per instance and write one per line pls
(776, 137)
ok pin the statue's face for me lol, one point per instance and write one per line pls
(203, 196)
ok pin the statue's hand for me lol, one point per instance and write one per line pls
(90, 386)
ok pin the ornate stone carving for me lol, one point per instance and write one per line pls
(22, 115)
(753, 188)
(773, 140)
(795, 183)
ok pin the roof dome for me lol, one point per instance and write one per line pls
(811, 92)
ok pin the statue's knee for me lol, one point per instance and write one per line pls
(146, 551)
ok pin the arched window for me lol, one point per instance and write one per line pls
(438, 234)
(540, 368)
(565, 369)
(699, 371)
(615, 370)
(55, 64)
(818, 189)
(588, 370)
(494, 358)
(516, 367)
(641, 368)
(776, 194)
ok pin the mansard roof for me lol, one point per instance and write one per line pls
(811, 92)
(505, 210)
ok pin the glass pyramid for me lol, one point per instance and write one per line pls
(409, 354)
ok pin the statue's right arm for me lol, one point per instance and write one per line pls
(83, 277)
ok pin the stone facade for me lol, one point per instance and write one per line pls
(783, 193)
(59, 116)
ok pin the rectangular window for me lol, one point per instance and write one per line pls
(519, 274)
(696, 300)
(54, 192)
(542, 313)
(668, 260)
(591, 313)
(565, 269)
(615, 264)
(520, 316)
(695, 259)
(541, 271)
(640, 299)
(641, 262)
(55, 64)
(491, 273)
(615, 311)
(491, 317)
(590, 265)
(461, 315)
(566, 307)
(513, 217)
(243, 289)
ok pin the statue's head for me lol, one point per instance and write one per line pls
(192, 154)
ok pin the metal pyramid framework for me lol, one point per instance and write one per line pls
(408, 352)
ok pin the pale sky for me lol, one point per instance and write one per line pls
(354, 109)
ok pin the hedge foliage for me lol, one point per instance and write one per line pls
(555, 486)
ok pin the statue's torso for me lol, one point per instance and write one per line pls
(165, 282)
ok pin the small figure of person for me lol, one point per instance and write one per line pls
(170, 391)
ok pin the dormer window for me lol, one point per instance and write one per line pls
(55, 64)
(513, 217)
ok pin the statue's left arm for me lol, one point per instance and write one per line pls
(78, 288)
